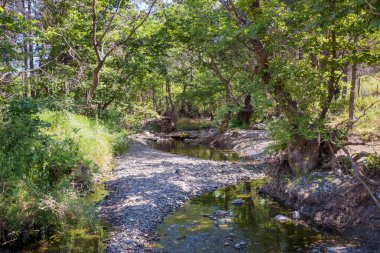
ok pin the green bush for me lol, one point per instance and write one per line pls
(47, 160)
(130, 120)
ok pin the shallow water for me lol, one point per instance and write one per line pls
(203, 152)
(188, 230)
(74, 239)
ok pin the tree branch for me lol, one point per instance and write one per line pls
(132, 31)
(110, 22)
(359, 177)
(94, 28)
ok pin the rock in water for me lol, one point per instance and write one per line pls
(240, 245)
(237, 202)
(218, 214)
(282, 218)
(296, 215)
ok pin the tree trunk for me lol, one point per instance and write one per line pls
(246, 112)
(303, 155)
(25, 51)
(227, 117)
(351, 105)
(26, 66)
(33, 92)
(331, 86)
(95, 83)
(169, 101)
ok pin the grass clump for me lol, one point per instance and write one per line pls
(48, 159)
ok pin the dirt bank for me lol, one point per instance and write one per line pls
(333, 201)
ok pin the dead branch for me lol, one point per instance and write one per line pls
(333, 161)
(351, 124)
(360, 155)
(353, 143)
(359, 177)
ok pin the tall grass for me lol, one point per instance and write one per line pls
(47, 160)
(95, 142)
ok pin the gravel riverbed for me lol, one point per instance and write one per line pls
(148, 184)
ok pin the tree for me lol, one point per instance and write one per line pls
(105, 39)
(272, 31)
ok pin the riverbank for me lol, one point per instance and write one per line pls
(148, 184)
(330, 200)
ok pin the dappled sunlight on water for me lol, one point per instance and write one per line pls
(252, 223)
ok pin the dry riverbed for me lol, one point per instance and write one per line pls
(148, 184)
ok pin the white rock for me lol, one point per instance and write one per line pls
(282, 218)
(296, 215)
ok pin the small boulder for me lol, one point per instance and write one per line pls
(237, 202)
(240, 245)
(282, 218)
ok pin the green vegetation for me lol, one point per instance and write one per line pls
(367, 127)
(77, 76)
(47, 160)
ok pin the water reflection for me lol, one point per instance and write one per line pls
(203, 152)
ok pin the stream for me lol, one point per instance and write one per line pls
(211, 223)
(249, 227)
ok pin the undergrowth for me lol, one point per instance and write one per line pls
(48, 159)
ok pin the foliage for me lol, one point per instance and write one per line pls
(47, 160)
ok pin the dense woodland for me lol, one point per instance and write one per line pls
(77, 77)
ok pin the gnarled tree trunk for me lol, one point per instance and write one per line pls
(303, 155)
